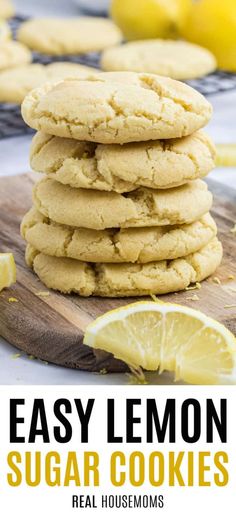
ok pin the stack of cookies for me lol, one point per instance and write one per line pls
(122, 209)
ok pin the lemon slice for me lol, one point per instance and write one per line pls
(226, 155)
(164, 336)
(5, 32)
(7, 270)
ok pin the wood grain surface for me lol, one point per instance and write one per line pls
(52, 327)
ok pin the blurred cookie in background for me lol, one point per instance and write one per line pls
(58, 36)
(6, 9)
(175, 59)
(13, 54)
(17, 82)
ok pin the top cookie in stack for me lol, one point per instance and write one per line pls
(120, 220)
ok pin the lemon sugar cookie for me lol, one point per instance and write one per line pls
(15, 83)
(177, 59)
(99, 210)
(140, 245)
(6, 9)
(117, 108)
(58, 36)
(13, 54)
(114, 280)
(122, 168)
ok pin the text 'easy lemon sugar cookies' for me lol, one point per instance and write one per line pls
(122, 209)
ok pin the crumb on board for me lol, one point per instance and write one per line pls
(216, 280)
(155, 298)
(231, 277)
(230, 306)
(13, 300)
(233, 230)
(42, 361)
(193, 298)
(31, 357)
(43, 294)
(193, 287)
(103, 371)
(15, 356)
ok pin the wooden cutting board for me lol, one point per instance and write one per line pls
(52, 327)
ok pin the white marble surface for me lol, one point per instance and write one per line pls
(14, 160)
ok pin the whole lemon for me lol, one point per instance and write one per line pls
(212, 24)
(147, 19)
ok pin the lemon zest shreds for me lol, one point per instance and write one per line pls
(193, 287)
(233, 230)
(216, 280)
(136, 376)
(44, 294)
(193, 298)
(16, 356)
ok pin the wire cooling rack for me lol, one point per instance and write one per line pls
(11, 123)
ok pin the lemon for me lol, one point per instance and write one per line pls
(212, 24)
(163, 336)
(7, 270)
(226, 155)
(143, 19)
(5, 32)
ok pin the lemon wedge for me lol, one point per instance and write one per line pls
(226, 155)
(165, 336)
(7, 270)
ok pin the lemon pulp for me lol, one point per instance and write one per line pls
(158, 336)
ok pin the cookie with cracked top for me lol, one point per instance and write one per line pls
(143, 207)
(117, 108)
(121, 280)
(159, 164)
(139, 245)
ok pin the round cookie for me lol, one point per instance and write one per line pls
(58, 36)
(13, 54)
(139, 245)
(15, 83)
(121, 280)
(159, 164)
(6, 9)
(177, 59)
(117, 108)
(143, 207)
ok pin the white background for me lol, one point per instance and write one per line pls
(14, 160)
